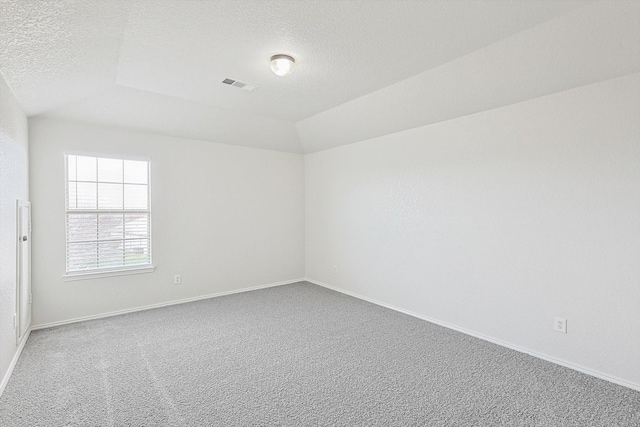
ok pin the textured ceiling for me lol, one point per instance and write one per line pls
(184, 49)
(54, 53)
(589, 45)
(157, 65)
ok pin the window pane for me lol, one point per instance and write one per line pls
(109, 170)
(82, 256)
(86, 195)
(135, 196)
(71, 168)
(109, 238)
(136, 226)
(109, 196)
(136, 252)
(72, 193)
(110, 226)
(111, 254)
(136, 172)
(86, 168)
(82, 227)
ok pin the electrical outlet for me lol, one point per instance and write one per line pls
(335, 269)
(560, 325)
(177, 279)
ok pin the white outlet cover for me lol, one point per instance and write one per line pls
(560, 324)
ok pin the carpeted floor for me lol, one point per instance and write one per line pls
(295, 355)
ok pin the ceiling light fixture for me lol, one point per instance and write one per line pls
(282, 65)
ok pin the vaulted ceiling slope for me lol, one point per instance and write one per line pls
(365, 68)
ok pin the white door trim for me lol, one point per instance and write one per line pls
(21, 239)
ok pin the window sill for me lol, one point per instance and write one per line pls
(108, 273)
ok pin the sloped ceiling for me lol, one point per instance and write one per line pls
(365, 68)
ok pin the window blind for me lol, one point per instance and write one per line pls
(108, 217)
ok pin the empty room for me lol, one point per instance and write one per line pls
(319, 213)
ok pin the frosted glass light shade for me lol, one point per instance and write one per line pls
(282, 65)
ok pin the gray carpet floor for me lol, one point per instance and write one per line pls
(294, 355)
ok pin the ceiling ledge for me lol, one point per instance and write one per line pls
(587, 46)
(151, 112)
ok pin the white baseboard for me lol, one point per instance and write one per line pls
(533, 353)
(7, 375)
(163, 304)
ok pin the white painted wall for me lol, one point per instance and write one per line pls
(223, 217)
(497, 222)
(14, 185)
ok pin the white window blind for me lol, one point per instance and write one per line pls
(107, 212)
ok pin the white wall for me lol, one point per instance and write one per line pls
(14, 185)
(497, 222)
(223, 217)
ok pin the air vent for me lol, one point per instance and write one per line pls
(239, 84)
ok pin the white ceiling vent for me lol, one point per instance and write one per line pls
(239, 84)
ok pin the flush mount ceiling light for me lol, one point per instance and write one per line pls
(282, 65)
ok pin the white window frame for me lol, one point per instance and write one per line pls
(106, 271)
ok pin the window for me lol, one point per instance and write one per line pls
(107, 213)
